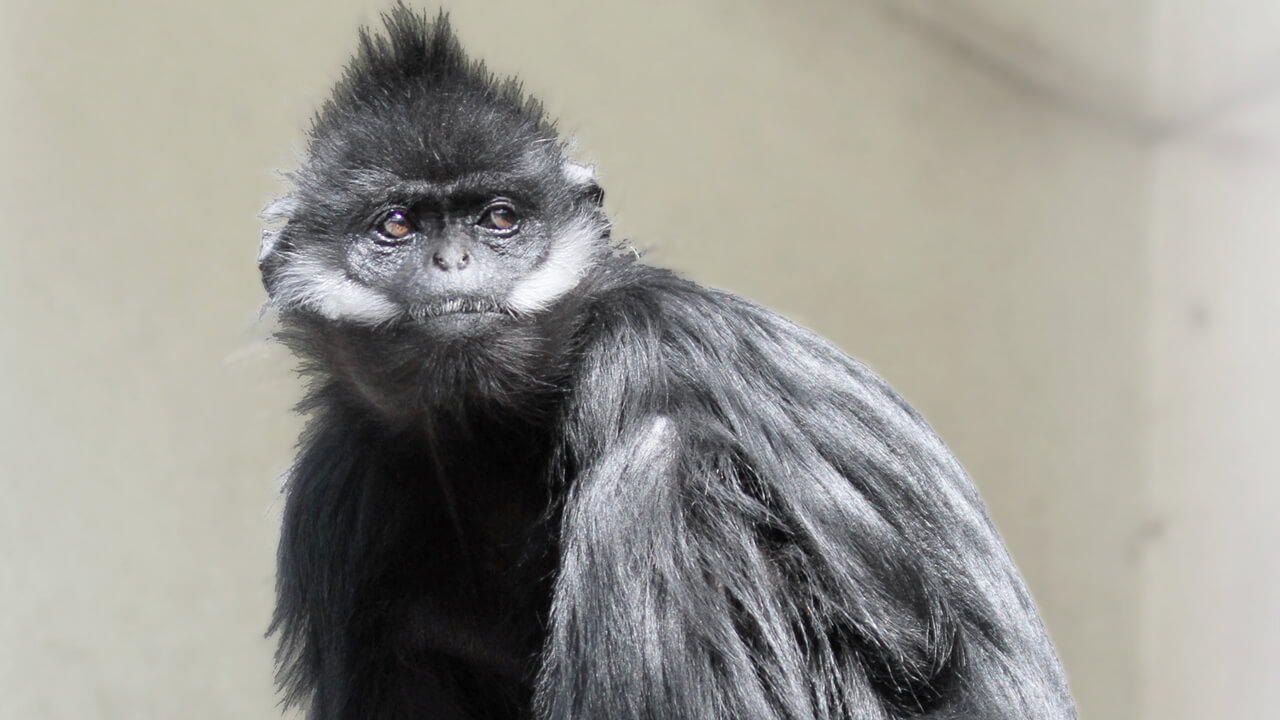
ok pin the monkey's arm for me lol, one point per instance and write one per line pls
(649, 598)
(312, 589)
(776, 535)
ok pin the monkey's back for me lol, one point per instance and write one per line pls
(842, 558)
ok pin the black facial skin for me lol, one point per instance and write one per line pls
(443, 254)
(543, 480)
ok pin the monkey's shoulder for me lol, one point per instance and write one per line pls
(649, 305)
(654, 327)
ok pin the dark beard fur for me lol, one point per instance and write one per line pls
(435, 363)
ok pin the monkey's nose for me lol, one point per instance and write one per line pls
(451, 258)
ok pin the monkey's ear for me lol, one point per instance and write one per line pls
(277, 212)
(270, 238)
(583, 177)
(280, 210)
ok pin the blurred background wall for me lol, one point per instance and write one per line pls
(1052, 226)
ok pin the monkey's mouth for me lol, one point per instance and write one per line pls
(456, 306)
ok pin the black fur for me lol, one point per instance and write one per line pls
(610, 493)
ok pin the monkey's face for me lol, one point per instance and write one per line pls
(451, 215)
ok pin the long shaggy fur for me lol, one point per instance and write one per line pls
(591, 489)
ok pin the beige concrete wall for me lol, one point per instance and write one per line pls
(1211, 602)
(982, 250)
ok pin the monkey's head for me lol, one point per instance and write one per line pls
(432, 194)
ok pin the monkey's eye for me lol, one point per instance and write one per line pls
(395, 225)
(499, 218)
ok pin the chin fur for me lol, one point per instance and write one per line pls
(436, 364)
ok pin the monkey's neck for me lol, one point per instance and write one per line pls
(489, 473)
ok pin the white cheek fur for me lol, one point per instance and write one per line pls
(303, 282)
(561, 270)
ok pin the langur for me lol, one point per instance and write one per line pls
(542, 479)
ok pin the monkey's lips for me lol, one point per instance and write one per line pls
(457, 317)
(454, 307)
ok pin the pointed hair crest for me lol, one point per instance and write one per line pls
(415, 52)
